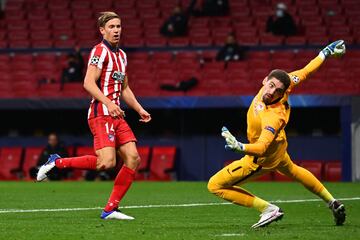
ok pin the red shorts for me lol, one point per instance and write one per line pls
(110, 132)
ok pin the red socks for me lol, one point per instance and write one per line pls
(122, 183)
(84, 162)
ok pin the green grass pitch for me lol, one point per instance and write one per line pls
(302, 220)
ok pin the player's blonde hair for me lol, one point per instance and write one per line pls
(105, 17)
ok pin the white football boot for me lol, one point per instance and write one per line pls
(271, 213)
(115, 214)
(44, 169)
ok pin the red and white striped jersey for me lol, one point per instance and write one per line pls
(112, 62)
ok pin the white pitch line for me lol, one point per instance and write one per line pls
(158, 206)
(230, 235)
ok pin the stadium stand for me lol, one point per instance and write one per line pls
(31, 157)
(157, 162)
(143, 170)
(332, 171)
(315, 167)
(162, 163)
(10, 160)
(65, 24)
(35, 37)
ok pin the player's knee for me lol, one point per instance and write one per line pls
(213, 186)
(105, 164)
(132, 161)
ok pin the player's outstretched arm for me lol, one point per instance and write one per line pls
(334, 49)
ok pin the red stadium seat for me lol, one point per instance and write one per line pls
(10, 160)
(162, 57)
(295, 40)
(68, 43)
(78, 174)
(84, 150)
(200, 41)
(162, 163)
(314, 166)
(266, 177)
(134, 42)
(31, 158)
(49, 90)
(142, 171)
(281, 178)
(19, 44)
(58, 5)
(155, 41)
(179, 42)
(332, 171)
(269, 40)
(75, 90)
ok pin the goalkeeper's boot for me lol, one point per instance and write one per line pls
(338, 210)
(115, 214)
(271, 213)
(44, 169)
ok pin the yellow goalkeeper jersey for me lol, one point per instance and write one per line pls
(266, 123)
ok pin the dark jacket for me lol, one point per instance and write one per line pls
(179, 22)
(282, 26)
(231, 52)
(58, 149)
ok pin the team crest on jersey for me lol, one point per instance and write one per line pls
(111, 137)
(259, 106)
(295, 79)
(118, 76)
(94, 60)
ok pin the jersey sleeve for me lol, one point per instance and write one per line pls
(97, 57)
(123, 54)
(271, 124)
(301, 75)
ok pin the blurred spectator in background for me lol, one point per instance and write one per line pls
(215, 7)
(73, 72)
(53, 146)
(183, 85)
(281, 23)
(231, 51)
(177, 24)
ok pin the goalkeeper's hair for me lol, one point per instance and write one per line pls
(282, 76)
(105, 17)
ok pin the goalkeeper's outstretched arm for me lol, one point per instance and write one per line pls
(334, 49)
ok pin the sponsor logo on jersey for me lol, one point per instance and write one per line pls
(271, 129)
(295, 79)
(94, 60)
(118, 76)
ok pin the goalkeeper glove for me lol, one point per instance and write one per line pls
(231, 142)
(334, 49)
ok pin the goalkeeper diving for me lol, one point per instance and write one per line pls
(266, 151)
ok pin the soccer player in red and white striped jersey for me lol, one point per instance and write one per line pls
(106, 81)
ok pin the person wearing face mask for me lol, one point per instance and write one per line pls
(266, 151)
(281, 23)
